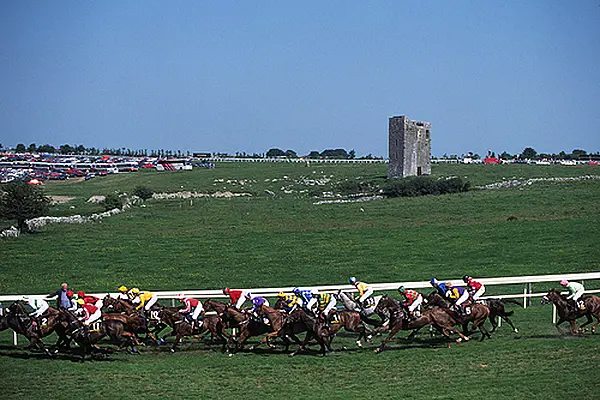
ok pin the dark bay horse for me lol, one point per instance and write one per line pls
(86, 337)
(300, 321)
(18, 319)
(181, 327)
(496, 307)
(351, 322)
(440, 318)
(566, 313)
(478, 314)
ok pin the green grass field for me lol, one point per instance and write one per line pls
(278, 237)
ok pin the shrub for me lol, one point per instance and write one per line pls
(423, 185)
(112, 201)
(143, 192)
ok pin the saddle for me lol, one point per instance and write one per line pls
(96, 326)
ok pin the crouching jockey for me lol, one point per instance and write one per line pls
(39, 306)
(413, 301)
(576, 290)
(193, 309)
(440, 287)
(476, 289)
(457, 295)
(325, 305)
(307, 300)
(257, 301)
(364, 291)
(124, 293)
(90, 299)
(237, 297)
(290, 301)
(91, 312)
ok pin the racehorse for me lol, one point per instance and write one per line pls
(135, 321)
(351, 322)
(86, 336)
(496, 307)
(220, 308)
(181, 327)
(299, 321)
(566, 313)
(275, 317)
(351, 305)
(439, 318)
(478, 314)
(18, 320)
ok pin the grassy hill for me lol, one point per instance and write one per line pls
(279, 237)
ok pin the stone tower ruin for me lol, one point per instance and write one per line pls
(409, 147)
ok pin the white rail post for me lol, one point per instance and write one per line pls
(529, 292)
(553, 314)
(525, 297)
(499, 321)
(15, 338)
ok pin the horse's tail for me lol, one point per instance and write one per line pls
(507, 313)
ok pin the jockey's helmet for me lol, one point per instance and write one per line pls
(181, 296)
(122, 289)
(401, 289)
(226, 290)
(434, 281)
(248, 295)
(280, 294)
(69, 293)
(81, 294)
(466, 278)
(352, 280)
(564, 282)
(135, 290)
(296, 290)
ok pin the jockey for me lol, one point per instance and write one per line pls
(364, 291)
(146, 299)
(325, 303)
(290, 301)
(91, 312)
(237, 297)
(413, 301)
(306, 298)
(74, 305)
(256, 301)
(439, 286)
(90, 299)
(123, 293)
(193, 308)
(576, 290)
(476, 289)
(458, 295)
(40, 306)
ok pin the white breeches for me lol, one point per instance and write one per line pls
(366, 295)
(577, 295)
(150, 302)
(462, 298)
(41, 310)
(311, 303)
(330, 306)
(479, 293)
(197, 311)
(416, 304)
(93, 318)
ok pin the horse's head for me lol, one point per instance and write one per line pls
(17, 307)
(279, 304)
(383, 304)
(551, 297)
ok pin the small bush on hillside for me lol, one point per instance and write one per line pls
(423, 186)
(143, 192)
(356, 186)
(112, 201)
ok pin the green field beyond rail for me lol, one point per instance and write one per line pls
(279, 237)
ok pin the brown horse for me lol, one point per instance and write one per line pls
(87, 336)
(18, 319)
(351, 322)
(440, 318)
(300, 321)
(181, 327)
(136, 321)
(476, 313)
(566, 313)
(275, 317)
(496, 307)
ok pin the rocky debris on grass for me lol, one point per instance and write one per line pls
(10, 232)
(519, 183)
(96, 199)
(349, 200)
(187, 195)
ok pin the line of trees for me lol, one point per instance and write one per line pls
(529, 153)
(67, 149)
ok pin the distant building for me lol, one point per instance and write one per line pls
(409, 147)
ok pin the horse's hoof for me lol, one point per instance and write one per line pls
(251, 348)
(459, 340)
(516, 330)
(172, 350)
(358, 343)
(378, 350)
(230, 354)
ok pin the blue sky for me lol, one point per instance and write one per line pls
(227, 76)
